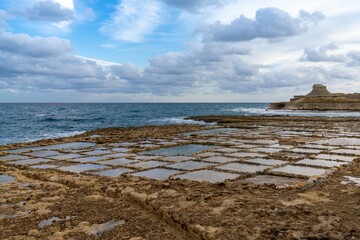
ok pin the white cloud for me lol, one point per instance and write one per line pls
(133, 19)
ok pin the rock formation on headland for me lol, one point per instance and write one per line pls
(321, 99)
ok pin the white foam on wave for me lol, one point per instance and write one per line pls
(270, 112)
(52, 135)
(178, 120)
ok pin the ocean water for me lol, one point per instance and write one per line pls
(33, 121)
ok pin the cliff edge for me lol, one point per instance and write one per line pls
(322, 100)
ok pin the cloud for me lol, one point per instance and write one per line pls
(191, 5)
(3, 17)
(133, 19)
(38, 47)
(355, 59)
(322, 54)
(269, 23)
(48, 11)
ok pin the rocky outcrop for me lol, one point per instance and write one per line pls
(322, 100)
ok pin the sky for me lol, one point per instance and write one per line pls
(176, 50)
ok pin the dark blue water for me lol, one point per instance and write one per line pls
(33, 121)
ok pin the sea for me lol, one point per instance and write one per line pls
(25, 122)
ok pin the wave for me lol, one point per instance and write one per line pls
(177, 120)
(269, 112)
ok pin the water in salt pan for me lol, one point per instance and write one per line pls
(157, 173)
(82, 168)
(31, 161)
(187, 150)
(44, 166)
(299, 170)
(245, 168)
(246, 154)
(118, 161)
(149, 164)
(177, 158)
(13, 157)
(66, 156)
(114, 172)
(87, 159)
(43, 153)
(347, 151)
(336, 157)
(190, 165)
(208, 176)
(219, 159)
(98, 152)
(266, 161)
(321, 163)
(6, 179)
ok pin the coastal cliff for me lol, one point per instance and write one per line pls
(322, 100)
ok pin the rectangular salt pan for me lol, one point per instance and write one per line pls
(299, 170)
(114, 172)
(149, 164)
(190, 165)
(208, 176)
(211, 131)
(56, 147)
(31, 161)
(118, 161)
(13, 157)
(157, 173)
(43, 153)
(246, 154)
(240, 167)
(187, 150)
(219, 159)
(336, 157)
(82, 168)
(65, 156)
(321, 163)
(97, 152)
(266, 161)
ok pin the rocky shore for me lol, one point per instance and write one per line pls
(244, 178)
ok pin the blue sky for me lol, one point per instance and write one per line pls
(176, 50)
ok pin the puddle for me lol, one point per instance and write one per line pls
(349, 180)
(82, 168)
(177, 158)
(66, 156)
(98, 152)
(240, 167)
(6, 179)
(187, 150)
(347, 151)
(118, 161)
(247, 154)
(56, 147)
(321, 163)
(149, 164)
(114, 172)
(340, 141)
(276, 180)
(299, 170)
(99, 229)
(13, 157)
(305, 150)
(31, 161)
(336, 157)
(208, 154)
(44, 166)
(87, 159)
(48, 222)
(208, 176)
(158, 173)
(190, 165)
(210, 131)
(266, 161)
(219, 159)
(43, 153)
